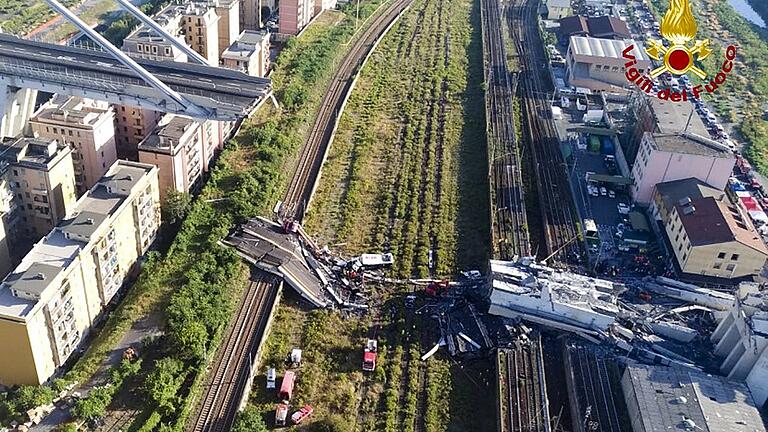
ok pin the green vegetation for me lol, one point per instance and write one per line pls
(196, 283)
(14, 404)
(407, 168)
(175, 206)
(744, 95)
(19, 16)
(95, 404)
(407, 171)
(120, 28)
(249, 420)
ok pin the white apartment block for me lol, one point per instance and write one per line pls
(249, 53)
(60, 288)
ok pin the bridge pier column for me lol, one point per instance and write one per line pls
(16, 107)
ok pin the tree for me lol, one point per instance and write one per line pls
(163, 383)
(175, 206)
(191, 338)
(249, 420)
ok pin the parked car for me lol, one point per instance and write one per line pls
(611, 193)
(603, 191)
(271, 377)
(623, 208)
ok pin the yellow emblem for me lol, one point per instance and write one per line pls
(678, 27)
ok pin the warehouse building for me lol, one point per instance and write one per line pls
(598, 64)
(662, 398)
(57, 292)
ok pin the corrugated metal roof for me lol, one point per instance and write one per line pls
(595, 47)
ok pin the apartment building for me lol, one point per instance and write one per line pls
(295, 15)
(132, 125)
(9, 219)
(741, 340)
(87, 126)
(195, 24)
(664, 157)
(51, 300)
(249, 53)
(321, 5)
(146, 43)
(228, 12)
(599, 64)
(712, 237)
(42, 176)
(250, 14)
(178, 149)
(200, 26)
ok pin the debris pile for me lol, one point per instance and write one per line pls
(315, 273)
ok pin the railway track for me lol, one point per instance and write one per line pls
(509, 221)
(304, 181)
(522, 405)
(230, 372)
(557, 207)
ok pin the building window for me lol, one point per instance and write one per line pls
(735, 257)
(730, 267)
(685, 256)
(16, 173)
(122, 108)
(55, 130)
(717, 265)
(721, 255)
(139, 47)
(677, 237)
(167, 51)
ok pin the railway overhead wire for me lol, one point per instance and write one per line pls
(305, 179)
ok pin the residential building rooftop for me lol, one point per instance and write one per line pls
(689, 143)
(709, 221)
(55, 252)
(35, 153)
(673, 192)
(669, 397)
(72, 110)
(167, 134)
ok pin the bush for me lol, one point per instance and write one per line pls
(249, 420)
(28, 397)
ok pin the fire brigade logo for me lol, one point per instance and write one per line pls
(679, 27)
(678, 56)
